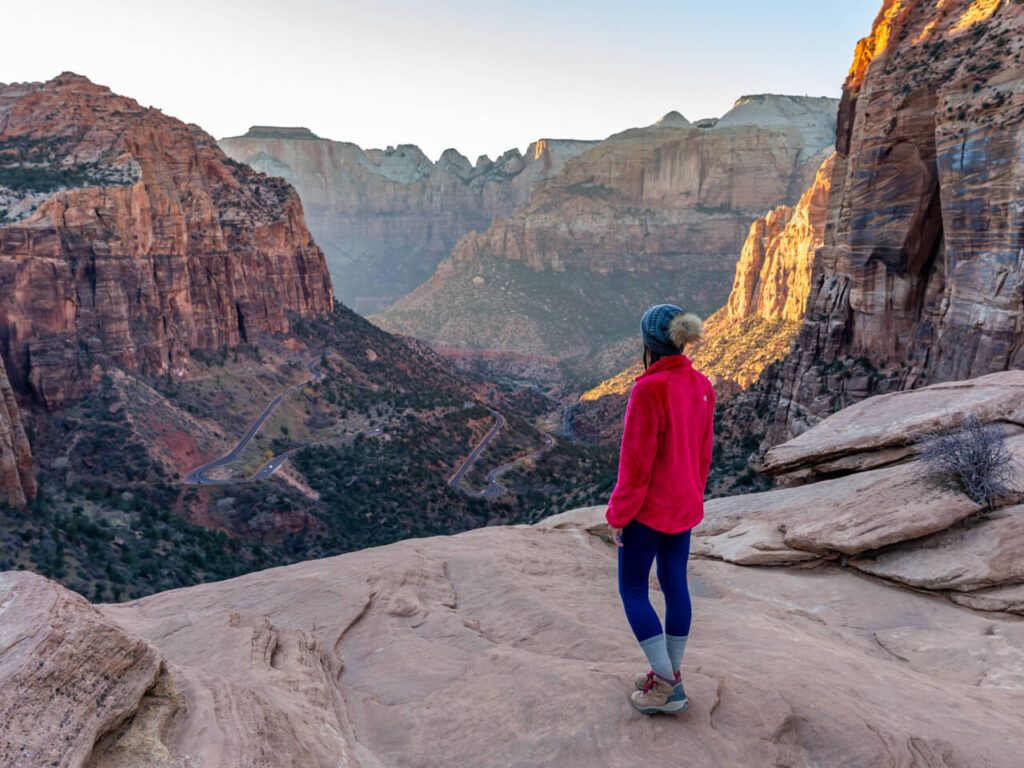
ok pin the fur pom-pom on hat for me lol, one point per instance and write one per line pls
(685, 329)
(666, 329)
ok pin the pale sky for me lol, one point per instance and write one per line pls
(478, 76)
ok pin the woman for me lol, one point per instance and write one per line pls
(659, 497)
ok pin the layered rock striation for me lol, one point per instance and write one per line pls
(128, 238)
(760, 320)
(634, 201)
(773, 276)
(17, 476)
(386, 218)
(648, 214)
(920, 277)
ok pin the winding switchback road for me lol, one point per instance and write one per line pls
(499, 422)
(494, 488)
(200, 475)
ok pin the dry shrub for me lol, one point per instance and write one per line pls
(975, 456)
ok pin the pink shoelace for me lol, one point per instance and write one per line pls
(652, 681)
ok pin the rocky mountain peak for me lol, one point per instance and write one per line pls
(813, 119)
(511, 161)
(455, 160)
(76, 81)
(405, 163)
(673, 119)
(76, 104)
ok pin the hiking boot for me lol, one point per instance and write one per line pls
(641, 680)
(660, 695)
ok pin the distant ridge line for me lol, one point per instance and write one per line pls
(278, 132)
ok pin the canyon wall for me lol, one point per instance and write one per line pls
(650, 214)
(128, 238)
(646, 195)
(920, 279)
(758, 323)
(17, 478)
(386, 218)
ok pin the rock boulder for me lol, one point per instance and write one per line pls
(987, 551)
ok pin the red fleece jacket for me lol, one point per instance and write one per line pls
(666, 448)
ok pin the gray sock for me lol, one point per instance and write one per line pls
(676, 646)
(657, 655)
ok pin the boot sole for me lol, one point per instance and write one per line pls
(672, 708)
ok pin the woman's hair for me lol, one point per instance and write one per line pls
(683, 329)
(650, 358)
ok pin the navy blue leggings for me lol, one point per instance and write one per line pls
(640, 546)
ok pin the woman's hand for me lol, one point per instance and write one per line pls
(617, 536)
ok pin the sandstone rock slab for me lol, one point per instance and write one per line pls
(983, 552)
(1009, 599)
(588, 519)
(527, 623)
(746, 530)
(848, 515)
(480, 644)
(980, 656)
(887, 422)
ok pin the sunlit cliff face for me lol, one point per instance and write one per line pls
(890, 18)
(872, 46)
(769, 294)
(980, 10)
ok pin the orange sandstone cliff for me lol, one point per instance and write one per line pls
(128, 238)
(920, 279)
(758, 324)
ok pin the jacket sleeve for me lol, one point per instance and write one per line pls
(708, 444)
(636, 457)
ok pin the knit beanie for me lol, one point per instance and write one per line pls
(666, 329)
